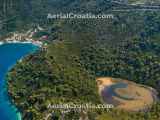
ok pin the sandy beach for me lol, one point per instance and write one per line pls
(37, 43)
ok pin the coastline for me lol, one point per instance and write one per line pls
(10, 102)
(18, 113)
(36, 43)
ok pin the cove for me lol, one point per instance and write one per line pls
(10, 53)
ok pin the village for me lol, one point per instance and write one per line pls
(26, 37)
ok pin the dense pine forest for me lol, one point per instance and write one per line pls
(78, 52)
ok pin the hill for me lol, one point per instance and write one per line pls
(125, 47)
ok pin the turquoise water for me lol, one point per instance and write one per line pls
(9, 55)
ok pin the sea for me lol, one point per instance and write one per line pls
(10, 54)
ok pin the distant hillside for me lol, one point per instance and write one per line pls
(149, 2)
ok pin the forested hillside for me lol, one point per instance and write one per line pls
(67, 70)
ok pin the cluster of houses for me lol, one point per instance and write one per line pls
(26, 37)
